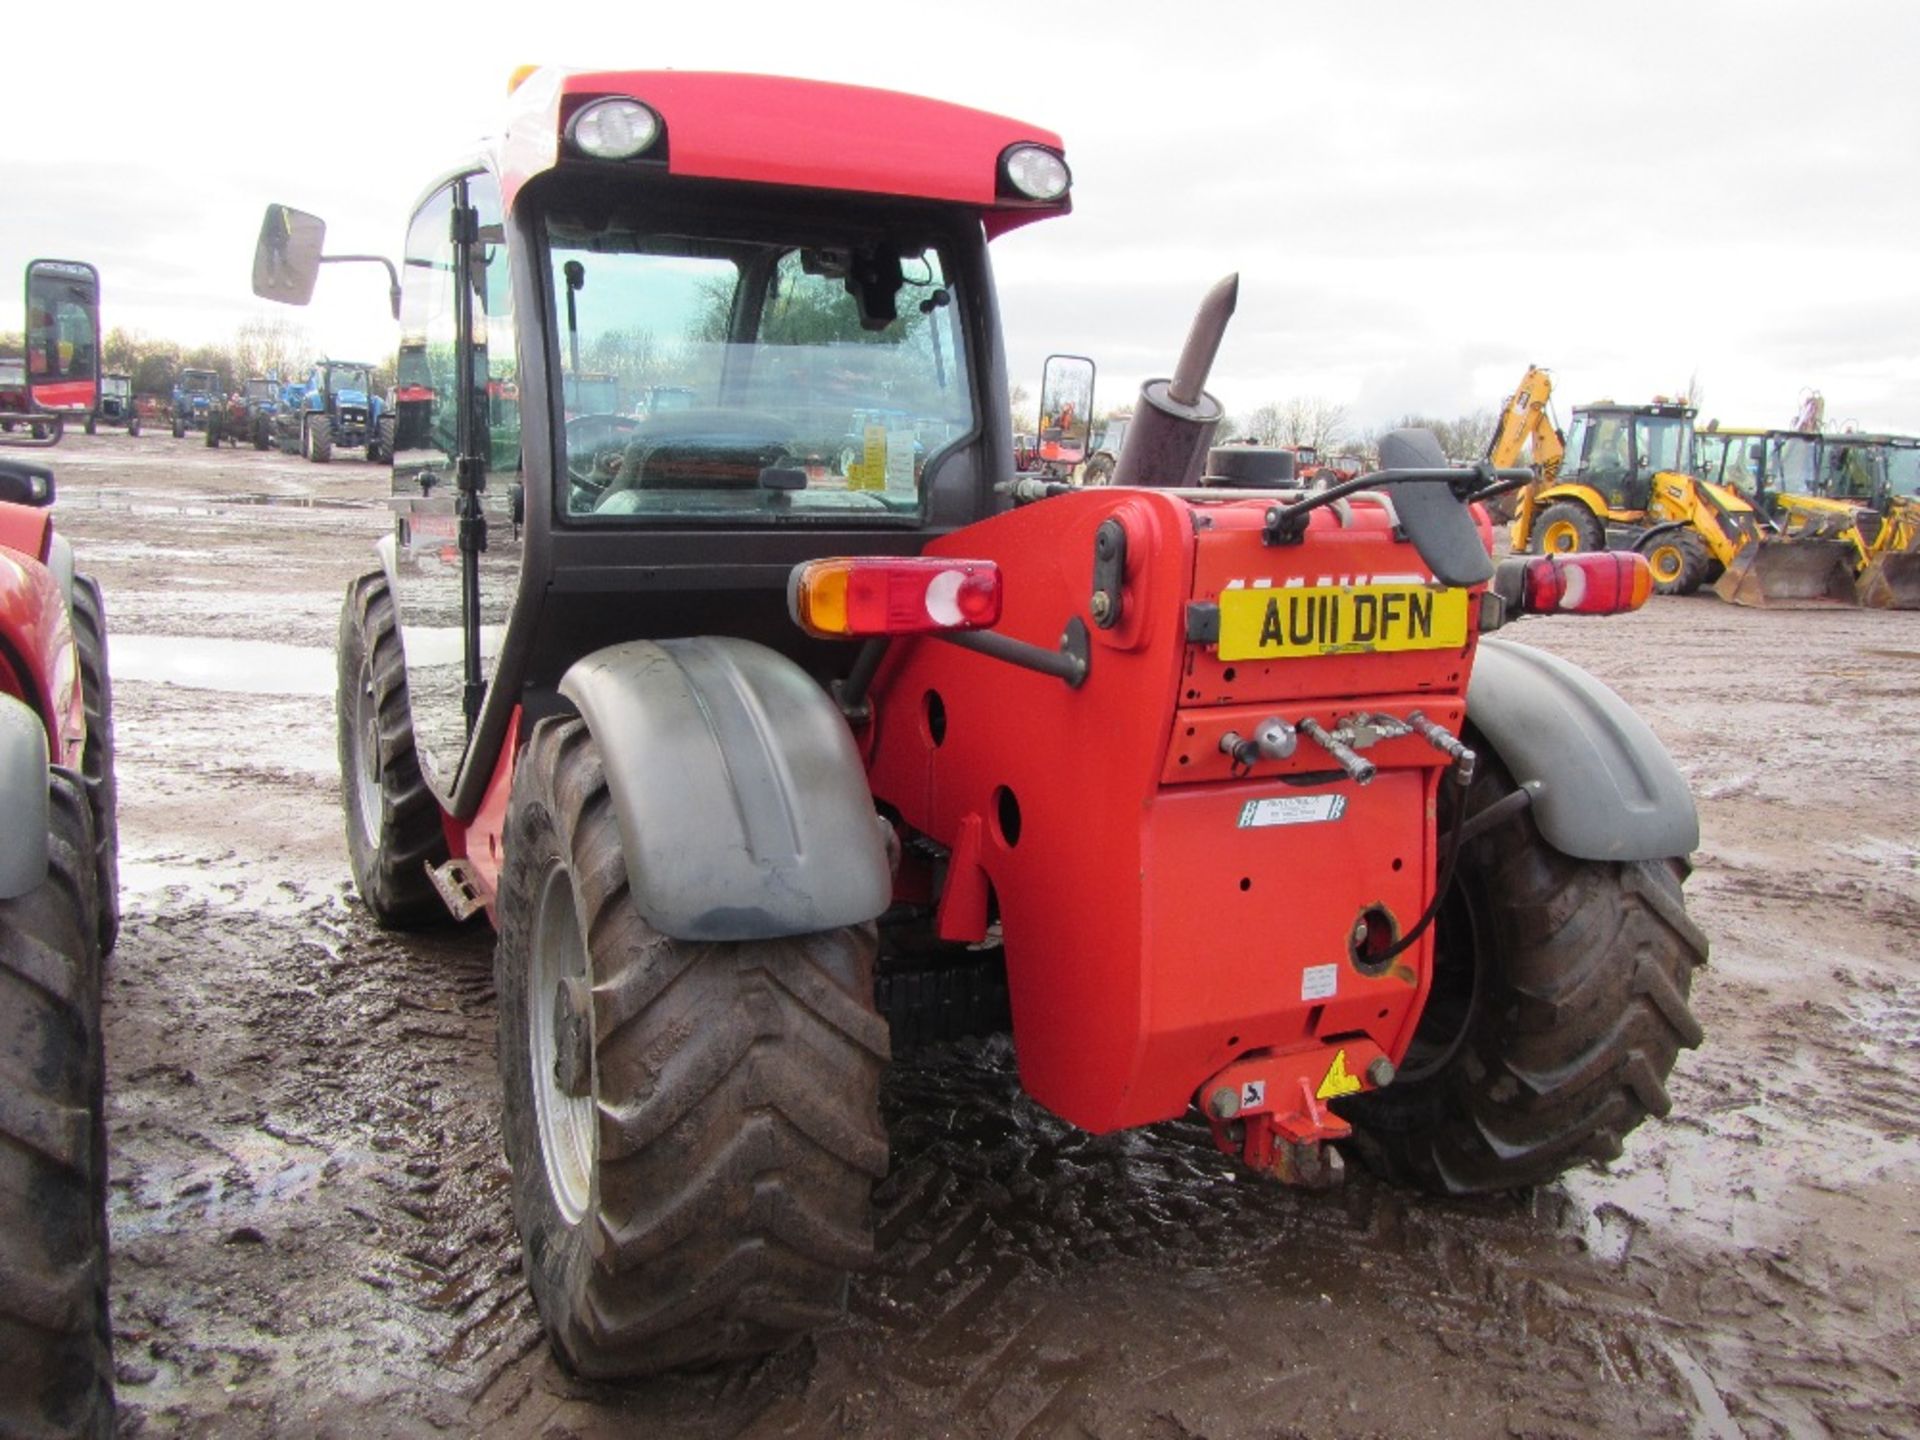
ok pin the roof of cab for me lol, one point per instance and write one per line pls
(771, 130)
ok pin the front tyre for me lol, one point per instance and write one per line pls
(393, 821)
(1678, 559)
(53, 1156)
(1557, 1010)
(96, 760)
(694, 1129)
(320, 439)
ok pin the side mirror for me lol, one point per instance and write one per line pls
(63, 336)
(22, 483)
(1066, 408)
(286, 260)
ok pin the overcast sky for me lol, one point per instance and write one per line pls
(1420, 198)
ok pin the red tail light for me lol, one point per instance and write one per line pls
(1607, 582)
(849, 598)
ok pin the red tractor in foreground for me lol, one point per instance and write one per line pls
(58, 919)
(746, 758)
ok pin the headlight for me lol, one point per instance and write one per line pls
(1035, 172)
(616, 129)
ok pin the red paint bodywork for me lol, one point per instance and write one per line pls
(65, 394)
(481, 842)
(1151, 941)
(773, 130)
(40, 665)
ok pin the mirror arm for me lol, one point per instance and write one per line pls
(393, 275)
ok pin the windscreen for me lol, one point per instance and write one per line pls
(758, 379)
(199, 381)
(347, 377)
(1852, 472)
(1666, 443)
(260, 389)
(1793, 464)
(1903, 469)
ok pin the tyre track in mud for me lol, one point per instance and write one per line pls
(310, 1204)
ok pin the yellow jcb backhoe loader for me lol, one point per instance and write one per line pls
(1853, 491)
(1622, 479)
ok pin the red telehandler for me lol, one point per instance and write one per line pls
(58, 917)
(1231, 777)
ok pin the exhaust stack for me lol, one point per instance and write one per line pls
(1174, 422)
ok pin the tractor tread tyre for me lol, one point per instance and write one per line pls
(91, 424)
(1099, 471)
(736, 1131)
(1694, 560)
(96, 760)
(389, 853)
(133, 426)
(380, 447)
(1593, 535)
(53, 1160)
(320, 439)
(1576, 1018)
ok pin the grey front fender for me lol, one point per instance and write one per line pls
(743, 807)
(1603, 786)
(23, 799)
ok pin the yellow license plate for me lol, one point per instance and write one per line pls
(1339, 620)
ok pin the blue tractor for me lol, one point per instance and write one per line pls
(195, 394)
(335, 407)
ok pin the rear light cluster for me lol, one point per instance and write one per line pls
(1608, 582)
(853, 598)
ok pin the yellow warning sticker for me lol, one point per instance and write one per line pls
(1339, 1081)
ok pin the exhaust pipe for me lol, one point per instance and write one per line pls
(1174, 422)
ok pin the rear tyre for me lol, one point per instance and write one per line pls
(1679, 561)
(262, 432)
(1558, 1008)
(179, 429)
(53, 1154)
(133, 426)
(1099, 471)
(393, 821)
(1568, 528)
(320, 439)
(694, 1129)
(96, 760)
(90, 424)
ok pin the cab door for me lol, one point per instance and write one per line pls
(456, 560)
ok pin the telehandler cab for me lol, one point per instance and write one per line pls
(59, 915)
(1261, 822)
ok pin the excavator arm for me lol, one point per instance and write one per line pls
(1526, 427)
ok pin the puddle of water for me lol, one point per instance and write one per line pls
(245, 667)
(303, 502)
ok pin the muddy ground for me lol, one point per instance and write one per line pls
(309, 1204)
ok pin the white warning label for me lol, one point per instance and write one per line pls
(1319, 982)
(1292, 810)
(1252, 1094)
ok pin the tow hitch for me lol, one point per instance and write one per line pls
(1270, 1109)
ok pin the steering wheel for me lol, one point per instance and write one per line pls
(595, 444)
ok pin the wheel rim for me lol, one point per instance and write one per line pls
(1561, 538)
(1667, 563)
(567, 1128)
(366, 730)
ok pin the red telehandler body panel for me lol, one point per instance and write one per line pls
(1160, 920)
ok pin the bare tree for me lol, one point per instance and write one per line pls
(1303, 420)
(268, 345)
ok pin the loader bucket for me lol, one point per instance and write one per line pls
(1891, 582)
(1790, 572)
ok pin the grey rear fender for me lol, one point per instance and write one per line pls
(23, 799)
(743, 807)
(1603, 786)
